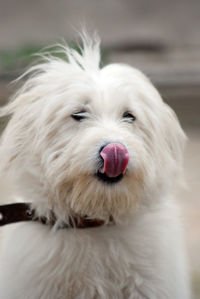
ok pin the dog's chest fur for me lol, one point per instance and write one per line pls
(93, 263)
(106, 262)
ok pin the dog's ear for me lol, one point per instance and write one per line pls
(174, 136)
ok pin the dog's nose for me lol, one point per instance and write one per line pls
(116, 158)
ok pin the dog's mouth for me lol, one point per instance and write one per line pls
(110, 180)
(113, 158)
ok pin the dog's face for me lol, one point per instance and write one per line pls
(95, 142)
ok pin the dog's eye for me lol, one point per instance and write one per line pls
(129, 116)
(79, 116)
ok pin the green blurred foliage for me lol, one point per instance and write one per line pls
(26, 55)
(196, 284)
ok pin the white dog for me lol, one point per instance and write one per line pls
(92, 147)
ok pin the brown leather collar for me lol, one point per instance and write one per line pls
(18, 212)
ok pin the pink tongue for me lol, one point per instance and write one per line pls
(116, 158)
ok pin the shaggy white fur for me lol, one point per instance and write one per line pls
(51, 160)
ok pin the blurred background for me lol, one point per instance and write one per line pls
(160, 37)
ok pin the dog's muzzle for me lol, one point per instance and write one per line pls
(115, 159)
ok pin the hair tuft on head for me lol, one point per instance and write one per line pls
(89, 56)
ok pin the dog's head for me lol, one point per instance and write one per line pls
(91, 141)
